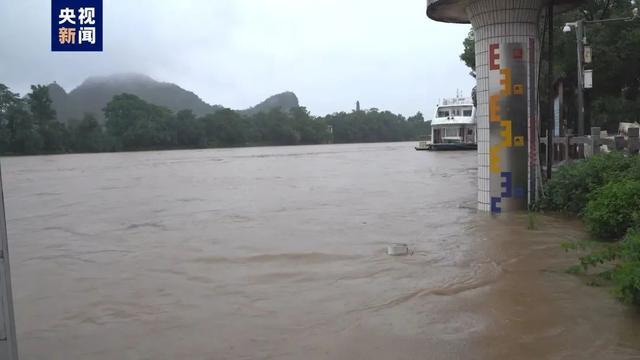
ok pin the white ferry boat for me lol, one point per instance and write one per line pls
(453, 126)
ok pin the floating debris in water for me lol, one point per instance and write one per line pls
(397, 250)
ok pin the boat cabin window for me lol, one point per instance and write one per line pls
(451, 132)
(443, 113)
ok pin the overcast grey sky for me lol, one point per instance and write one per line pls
(385, 53)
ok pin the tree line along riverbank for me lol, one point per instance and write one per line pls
(29, 125)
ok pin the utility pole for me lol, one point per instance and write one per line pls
(580, 38)
(8, 342)
(550, 111)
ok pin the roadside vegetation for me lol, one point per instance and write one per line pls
(604, 191)
(29, 125)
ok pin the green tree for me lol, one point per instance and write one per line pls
(87, 135)
(310, 129)
(52, 134)
(137, 124)
(18, 132)
(9, 102)
(25, 138)
(375, 125)
(40, 105)
(417, 118)
(7, 99)
(468, 55)
(189, 131)
(55, 137)
(277, 127)
(225, 128)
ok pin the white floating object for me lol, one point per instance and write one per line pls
(397, 249)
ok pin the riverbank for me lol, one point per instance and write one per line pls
(604, 191)
(228, 147)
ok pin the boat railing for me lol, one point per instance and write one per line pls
(456, 101)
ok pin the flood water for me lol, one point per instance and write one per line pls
(279, 253)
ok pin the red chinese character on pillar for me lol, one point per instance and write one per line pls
(517, 53)
(494, 56)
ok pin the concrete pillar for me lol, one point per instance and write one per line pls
(507, 49)
(507, 52)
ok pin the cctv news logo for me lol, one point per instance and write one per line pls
(76, 25)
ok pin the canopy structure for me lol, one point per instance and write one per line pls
(454, 11)
(507, 47)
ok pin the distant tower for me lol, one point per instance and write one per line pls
(357, 105)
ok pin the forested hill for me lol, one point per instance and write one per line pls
(284, 101)
(95, 92)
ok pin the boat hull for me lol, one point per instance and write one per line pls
(447, 147)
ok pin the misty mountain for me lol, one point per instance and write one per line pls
(95, 92)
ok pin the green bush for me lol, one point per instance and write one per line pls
(634, 170)
(626, 276)
(605, 191)
(571, 184)
(619, 262)
(613, 208)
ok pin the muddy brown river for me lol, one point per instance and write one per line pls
(279, 253)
